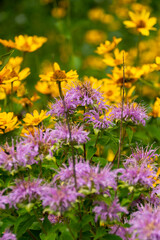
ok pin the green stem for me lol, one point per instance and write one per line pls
(138, 49)
(69, 130)
(121, 123)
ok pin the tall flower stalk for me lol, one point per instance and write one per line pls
(121, 125)
(69, 130)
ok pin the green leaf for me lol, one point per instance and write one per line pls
(5, 58)
(112, 237)
(90, 152)
(100, 233)
(130, 134)
(23, 223)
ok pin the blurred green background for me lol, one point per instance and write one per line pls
(66, 30)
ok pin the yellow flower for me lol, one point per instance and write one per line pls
(28, 130)
(117, 60)
(25, 43)
(132, 74)
(111, 155)
(58, 12)
(141, 21)
(12, 73)
(8, 122)
(111, 92)
(108, 46)
(59, 75)
(96, 14)
(156, 108)
(94, 62)
(9, 43)
(35, 119)
(6, 76)
(94, 82)
(158, 63)
(95, 36)
(23, 101)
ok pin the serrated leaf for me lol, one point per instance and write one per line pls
(112, 237)
(100, 233)
(23, 223)
(130, 134)
(5, 58)
(90, 152)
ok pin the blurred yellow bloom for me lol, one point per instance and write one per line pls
(156, 108)
(110, 91)
(138, 7)
(25, 43)
(8, 122)
(95, 36)
(58, 12)
(94, 62)
(35, 119)
(141, 21)
(117, 60)
(158, 63)
(132, 74)
(96, 14)
(108, 46)
(11, 75)
(23, 101)
(94, 82)
(111, 155)
(28, 130)
(6, 76)
(58, 75)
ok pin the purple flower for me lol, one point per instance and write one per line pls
(145, 223)
(19, 154)
(138, 174)
(8, 236)
(138, 167)
(57, 108)
(84, 95)
(105, 211)
(41, 141)
(3, 200)
(24, 190)
(77, 133)
(88, 175)
(53, 218)
(81, 94)
(58, 198)
(119, 231)
(140, 154)
(131, 111)
(98, 121)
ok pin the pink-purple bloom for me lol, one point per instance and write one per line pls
(138, 168)
(99, 122)
(8, 236)
(41, 141)
(88, 176)
(3, 200)
(104, 211)
(80, 95)
(59, 198)
(78, 134)
(16, 155)
(24, 190)
(145, 223)
(120, 231)
(131, 112)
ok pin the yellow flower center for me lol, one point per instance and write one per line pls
(109, 93)
(141, 24)
(58, 75)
